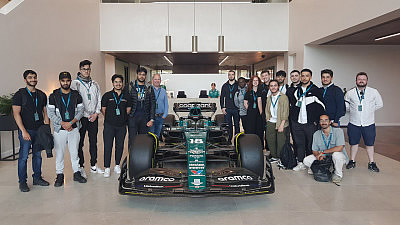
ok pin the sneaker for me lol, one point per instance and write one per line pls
(300, 166)
(78, 177)
(309, 171)
(107, 172)
(336, 179)
(274, 160)
(40, 181)
(83, 172)
(96, 169)
(59, 180)
(351, 164)
(372, 166)
(117, 169)
(23, 187)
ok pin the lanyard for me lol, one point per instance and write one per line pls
(282, 88)
(243, 92)
(87, 88)
(140, 91)
(362, 96)
(305, 91)
(115, 98)
(69, 98)
(329, 141)
(254, 97)
(158, 95)
(34, 100)
(324, 92)
(272, 102)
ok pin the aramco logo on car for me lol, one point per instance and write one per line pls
(157, 179)
(235, 178)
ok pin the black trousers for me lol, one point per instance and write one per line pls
(303, 136)
(291, 133)
(244, 122)
(232, 113)
(136, 125)
(92, 128)
(110, 133)
(255, 124)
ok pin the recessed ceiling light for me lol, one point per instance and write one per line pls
(387, 36)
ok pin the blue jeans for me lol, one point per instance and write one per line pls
(24, 147)
(157, 126)
(232, 114)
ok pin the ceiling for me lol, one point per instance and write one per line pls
(367, 36)
(157, 60)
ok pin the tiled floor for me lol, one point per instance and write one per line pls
(363, 198)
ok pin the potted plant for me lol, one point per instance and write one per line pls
(7, 122)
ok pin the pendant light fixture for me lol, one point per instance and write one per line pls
(194, 37)
(168, 37)
(221, 38)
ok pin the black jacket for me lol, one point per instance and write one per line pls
(226, 99)
(44, 140)
(149, 100)
(334, 102)
(314, 103)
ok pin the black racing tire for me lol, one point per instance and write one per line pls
(219, 119)
(141, 154)
(251, 154)
(169, 120)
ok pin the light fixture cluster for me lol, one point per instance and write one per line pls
(221, 38)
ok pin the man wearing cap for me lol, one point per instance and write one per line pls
(91, 97)
(65, 109)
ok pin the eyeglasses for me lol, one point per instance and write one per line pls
(86, 69)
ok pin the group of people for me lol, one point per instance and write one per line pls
(73, 110)
(274, 111)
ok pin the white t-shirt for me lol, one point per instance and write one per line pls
(303, 110)
(274, 110)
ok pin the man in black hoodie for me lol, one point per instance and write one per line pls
(228, 106)
(143, 110)
(305, 115)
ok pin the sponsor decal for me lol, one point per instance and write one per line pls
(157, 179)
(196, 164)
(196, 151)
(197, 172)
(235, 178)
(197, 182)
(152, 186)
(191, 105)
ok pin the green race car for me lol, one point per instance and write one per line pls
(196, 159)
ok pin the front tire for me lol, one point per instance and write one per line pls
(251, 154)
(141, 154)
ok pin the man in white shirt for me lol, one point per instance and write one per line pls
(362, 102)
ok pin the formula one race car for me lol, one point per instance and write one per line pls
(196, 159)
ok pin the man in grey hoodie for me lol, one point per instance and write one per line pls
(239, 101)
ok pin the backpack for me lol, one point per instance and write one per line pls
(288, 160)
(322, 169)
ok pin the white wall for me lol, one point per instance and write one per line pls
(381, 63)
(142, 27)
(49, 37)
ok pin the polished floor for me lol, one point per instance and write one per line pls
(363, 198)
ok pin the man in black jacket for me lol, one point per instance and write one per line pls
(305, 115)
(228, 106)
(143, 109)
(333, 98)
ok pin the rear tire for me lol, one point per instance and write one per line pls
(141, 154)
(251, 154)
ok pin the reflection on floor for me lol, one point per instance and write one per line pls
(363, 198)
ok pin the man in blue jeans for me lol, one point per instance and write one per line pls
(161, 105)
(29, 109)
(228, 106)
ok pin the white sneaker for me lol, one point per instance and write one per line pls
(300, 166)
(117, 169)
(96, 169)
(107, 172)
(83, 172)
(309, 171)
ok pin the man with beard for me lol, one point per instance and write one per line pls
(115, 107)
(143, 109)
(65, 109)
(305, 115)
(281, 77)
(264, 93)
(228, 106)
(295, 79)
(239, 101)
(29, 113)
(362, 102)
(91, 96)
(333, 98)
(328, 140)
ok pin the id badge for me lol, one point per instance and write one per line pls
(359, 108)
(89, 96)
(36, 115)
(298, 104)
(254, 105)
(66, 115)
(117, 112)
